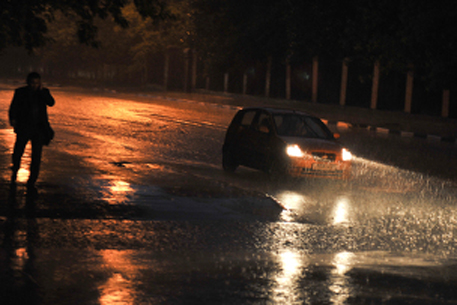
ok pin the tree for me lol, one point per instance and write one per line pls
(233, 33)
(24, 22)
(121, 53)
(398, 33)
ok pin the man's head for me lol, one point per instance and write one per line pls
(34, 81)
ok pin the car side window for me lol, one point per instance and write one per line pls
(246, 120)
(263, 123)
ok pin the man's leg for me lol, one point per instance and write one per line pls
(37, 149)
(19, 147)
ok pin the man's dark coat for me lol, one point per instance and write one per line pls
(21, 109)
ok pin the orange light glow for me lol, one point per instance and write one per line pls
(24, 172)
(118, 192)
(120, 187)
(119, 288)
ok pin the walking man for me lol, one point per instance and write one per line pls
(29, 118)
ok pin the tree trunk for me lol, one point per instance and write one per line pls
(245, 82)
(315, 78)
(344, 82)
(165, 70)
(288, 86)
(409, 89)
(445, 107)
(194, 71)
(226, 82)
(186, 70)
(268, 77)
(375, 87)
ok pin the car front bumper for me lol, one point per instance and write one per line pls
(332, 170)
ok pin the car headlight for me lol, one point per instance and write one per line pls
(346, 155)
(294, 151)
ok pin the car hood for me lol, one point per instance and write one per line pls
(313, 144)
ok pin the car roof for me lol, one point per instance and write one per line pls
(278, 110)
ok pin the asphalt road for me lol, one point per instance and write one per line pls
(134, 208)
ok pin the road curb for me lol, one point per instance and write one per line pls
(341, 126)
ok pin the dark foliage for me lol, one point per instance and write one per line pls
(399, 33)
(24, 22)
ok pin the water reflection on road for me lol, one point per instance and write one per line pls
(287, 279)
(377, 195)
(339, 283)
(9, 138)
(385, 223)
(118, 192)
(119, 287)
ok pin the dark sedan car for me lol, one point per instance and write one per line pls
(284, 142)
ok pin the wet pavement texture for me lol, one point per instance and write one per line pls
(134, 208)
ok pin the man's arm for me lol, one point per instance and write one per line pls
(47, 97)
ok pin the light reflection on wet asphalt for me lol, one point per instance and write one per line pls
(136, 209)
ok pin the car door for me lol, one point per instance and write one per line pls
(261, 140)
(244, 138)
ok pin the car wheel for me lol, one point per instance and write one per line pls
(228, 162)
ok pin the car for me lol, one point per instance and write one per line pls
(284, 143)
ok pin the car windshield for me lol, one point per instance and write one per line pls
(296, 125)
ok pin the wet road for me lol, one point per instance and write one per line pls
(134, 208)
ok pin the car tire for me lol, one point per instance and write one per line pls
(228, 162)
